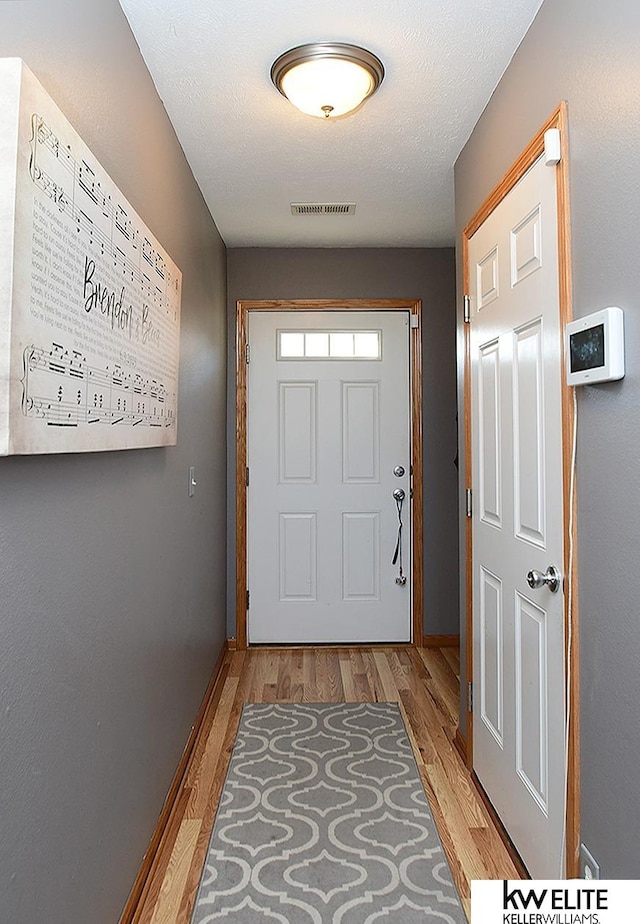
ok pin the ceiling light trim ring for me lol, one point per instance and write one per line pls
(317, 51)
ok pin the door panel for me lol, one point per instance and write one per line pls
(518, 645)
(491, 649)
(528, 435)
(489, 424)
(525, 247)
(328, 416)
(360, 432)
(298, 432)
(297, 552)
(531, 684)
(361, 556)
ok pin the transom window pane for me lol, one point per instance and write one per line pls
(341, 344)
(291, 343)
(367, 344)
(329, 344)
(316, 345)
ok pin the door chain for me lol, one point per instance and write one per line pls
(399, 496)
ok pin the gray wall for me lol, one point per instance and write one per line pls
(586, 52)
(112, 580)
(256, 273)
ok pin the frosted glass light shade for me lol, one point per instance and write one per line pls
(338, 86)
(327, 79)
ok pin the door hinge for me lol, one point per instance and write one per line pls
(467, 309)
(470, 696)
(247, 476)
(248, 599)
(247, 353)
(469, 501)
(414, 320)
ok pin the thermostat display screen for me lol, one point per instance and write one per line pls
(594, 347)
(587, 348)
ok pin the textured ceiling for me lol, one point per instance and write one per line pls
(253, 154)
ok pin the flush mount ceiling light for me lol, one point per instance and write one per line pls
(327, 79)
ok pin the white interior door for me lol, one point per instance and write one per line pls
(327, 423)
(518, 632)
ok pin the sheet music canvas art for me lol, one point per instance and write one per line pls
(89, 300)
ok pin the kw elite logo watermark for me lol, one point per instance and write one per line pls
(554, 901)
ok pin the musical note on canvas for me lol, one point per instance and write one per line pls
(93, 313)
(64, 390)
(76, 190)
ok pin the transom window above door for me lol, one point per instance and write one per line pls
(329, 344)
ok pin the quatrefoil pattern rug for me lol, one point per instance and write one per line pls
(323, 820)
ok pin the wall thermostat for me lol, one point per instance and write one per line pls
(594, 347)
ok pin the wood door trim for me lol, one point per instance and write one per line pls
(413, 306)
(441, 641)
(526, 159)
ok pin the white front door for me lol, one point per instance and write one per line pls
(327, 422)
(518, 632)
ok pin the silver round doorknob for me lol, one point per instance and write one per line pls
(398, 494)
(550, 579)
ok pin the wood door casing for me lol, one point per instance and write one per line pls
(414, 307)
(519, 670)
(534, 149)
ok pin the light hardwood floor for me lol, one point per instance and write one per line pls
(425, 683)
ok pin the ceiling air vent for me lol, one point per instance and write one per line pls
(323, 208)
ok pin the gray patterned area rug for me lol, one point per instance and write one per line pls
(323, 820)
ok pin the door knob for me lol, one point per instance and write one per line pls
(551, 579)
(398, 471)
